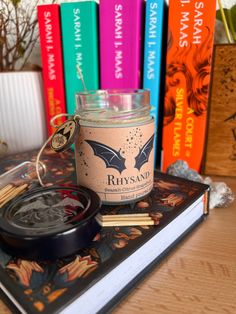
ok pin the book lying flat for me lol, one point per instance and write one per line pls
(95, 278)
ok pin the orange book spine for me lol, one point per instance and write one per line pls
(190, 44)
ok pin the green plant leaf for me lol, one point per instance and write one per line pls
(21, 50)
(218, 16)
(230, 15)
(15, 2)
(232, 21)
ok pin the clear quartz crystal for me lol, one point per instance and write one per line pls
(181, 169)
(220, 194)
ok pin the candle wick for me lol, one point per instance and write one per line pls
(80, 74)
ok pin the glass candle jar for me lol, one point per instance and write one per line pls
(114, 148)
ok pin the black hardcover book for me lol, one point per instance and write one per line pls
(97, 277)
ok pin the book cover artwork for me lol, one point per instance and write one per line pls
(44, 287)
(189, 50)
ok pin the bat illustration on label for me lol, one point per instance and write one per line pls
(144, 153)
(111, 157)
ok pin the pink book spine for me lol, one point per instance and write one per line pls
(121, 24)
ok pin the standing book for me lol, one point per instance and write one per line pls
(51, 55)
(152, 66)
(120, 29)
(189, 53)
(80, 48)
(97, 277)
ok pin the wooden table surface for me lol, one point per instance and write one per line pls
(199, 276)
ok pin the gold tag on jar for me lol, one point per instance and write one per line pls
(64, 136)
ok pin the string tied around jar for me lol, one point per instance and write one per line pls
(65, 133)
(61, 139)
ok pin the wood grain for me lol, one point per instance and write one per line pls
(198, 277)
(4, 309)
(221, 138)
(200, 274)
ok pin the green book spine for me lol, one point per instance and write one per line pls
(80, 47)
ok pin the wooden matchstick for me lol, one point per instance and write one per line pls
(134, 219)
(13, 193)
(122, 223)
(123, 216)
(5, 195)
(5, 190)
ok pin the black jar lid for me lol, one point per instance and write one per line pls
(49, 223)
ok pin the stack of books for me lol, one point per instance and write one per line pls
(134, 44)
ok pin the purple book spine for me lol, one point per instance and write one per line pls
(121, 24)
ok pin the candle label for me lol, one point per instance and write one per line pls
(116, 162)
